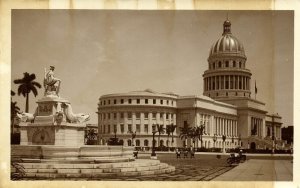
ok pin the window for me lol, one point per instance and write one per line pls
(108, 101)
(129, 128)
(129, 101)
(138, 115)
(146, 101)
(138, 101)
(104, 116)
(108, 128)
(161, 101)
(220, 64)
(122, 101)
(137, 142)
(240, 65)
(103, 102)
(122, 128)
(167, 102)
(129, 142)
(161, 115)
(115, 115)
(167, 116)
(172, 103)
(234, 63)
(153, 127)
(213, 65)
(100, 103)
(115, 101)
(227, 64)
(108, 116)
(129, 115)
(103, 129)
(138, 128)
(146, 115)
(146, 128)
(146, 143)
(115, 128)
(122, 115)
(154, 101)
(153, 115)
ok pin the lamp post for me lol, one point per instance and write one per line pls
(240, 145)
(201, 132)
(224, 138)
(215, 139)
(153, 154)
(133, 135)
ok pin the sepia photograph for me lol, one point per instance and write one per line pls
(152, 95)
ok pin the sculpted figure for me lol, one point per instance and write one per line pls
(51, 84)
(25, 117)
(74, 118)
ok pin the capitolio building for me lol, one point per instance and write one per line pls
(225, 108)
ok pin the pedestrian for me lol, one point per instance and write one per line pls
(185, 153)
(177, 153)
(192, 153)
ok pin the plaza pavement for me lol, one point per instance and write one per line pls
(260, 170)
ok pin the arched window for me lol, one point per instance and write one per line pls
(240, 64)
(227, 64)
(161, 142)
(146, 143)
(129, 142)
(137, 142)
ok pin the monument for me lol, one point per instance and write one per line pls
(53, 122)
(52, 144)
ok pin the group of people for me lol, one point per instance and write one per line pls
(185, 153)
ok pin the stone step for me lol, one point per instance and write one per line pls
(72, 174)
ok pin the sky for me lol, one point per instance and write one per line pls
(99, 52)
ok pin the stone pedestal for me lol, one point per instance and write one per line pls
(51, 126)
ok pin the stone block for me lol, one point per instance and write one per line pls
(68, 171)
(29, 170)
(144, 173)
(128, 169)
(91, 171)
(47, 170)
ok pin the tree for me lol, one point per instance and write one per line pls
(27, 85)
(14, 109)
(91, 136)
(170, 130)
(184, 133)
(201, 130)
(194, 134)
(160, 130)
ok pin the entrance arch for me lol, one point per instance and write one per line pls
(253, 145)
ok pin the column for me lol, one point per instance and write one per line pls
(215, 78)
(219, 77)
(229, 85)
(234, 84)
(238, 82)
(118, 123)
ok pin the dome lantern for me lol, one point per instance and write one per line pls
(226, 27)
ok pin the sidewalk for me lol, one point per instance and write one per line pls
(260, 170)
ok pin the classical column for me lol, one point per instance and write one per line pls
(229, 84)
(238, 80)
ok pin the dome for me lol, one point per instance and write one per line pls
(227, 44)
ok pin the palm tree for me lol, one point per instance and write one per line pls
(201, 131)
(184, 133)
(160, 130)
(194, 134)
(173, 128)
(27, 85)
(14, 109)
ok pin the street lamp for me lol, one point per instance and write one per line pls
(133, 135)
(240, 138)
(153, 154)
(223, 138)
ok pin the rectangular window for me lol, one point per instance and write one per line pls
(172, 103)
(103, 129)
(115, 115)
(129, 101)
(153, 128)
(146, 115)
(161, 115)
(122, 115)
(122, 101)
(129, 128)
(100, 103)
(167, 116)
(146, 128)
(108, 101)
(103, 102)
(115, 128)
(153, 115)
(138, 101)
(108, 115)
(115, 101)
(138, 128)
(138, 115)
(108, 128)
(146, 101)
(154, 101)
(161, 102)
(104, 116)
(167, 102)
(129, 115)
(122, 128)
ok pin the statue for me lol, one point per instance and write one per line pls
(51, 84)
(74, 118)
(25, 117)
